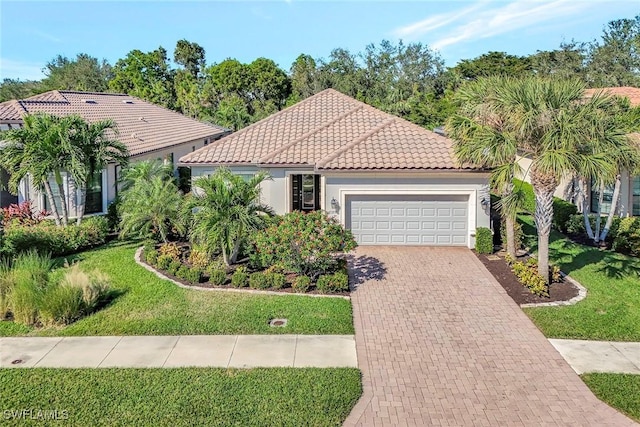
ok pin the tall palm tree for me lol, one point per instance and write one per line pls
(144, 171)
(226, 208)
(93, 149)
(482, 139)
(39, 149)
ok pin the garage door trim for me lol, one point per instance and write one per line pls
(471, 193)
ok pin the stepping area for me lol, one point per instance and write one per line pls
(223, 351)
(600, 356)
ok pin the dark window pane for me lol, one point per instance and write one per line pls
(94, 195)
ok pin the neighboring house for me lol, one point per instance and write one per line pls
(391, 182)
(629, 203)
(148, 131)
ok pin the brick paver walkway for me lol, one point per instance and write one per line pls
(440, 343)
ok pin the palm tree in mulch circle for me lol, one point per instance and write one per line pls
(226, 209)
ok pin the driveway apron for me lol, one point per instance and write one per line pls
(439, 342)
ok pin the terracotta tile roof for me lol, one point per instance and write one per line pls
(331, 131)
(142, 126)
(632, 93)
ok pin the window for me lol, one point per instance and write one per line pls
(94, 194)
(606, 199)
(56, 194)
(636, 196)
(305, 192)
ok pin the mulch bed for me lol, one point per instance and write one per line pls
(563, 291)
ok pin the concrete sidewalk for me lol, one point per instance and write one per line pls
(223, 351)
(600, 356)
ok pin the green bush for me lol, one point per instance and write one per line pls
(218, 277)
(484, 240)
(25, 299)
(6, 284)
(151, 256)
(519, 234)
(301, 284)
(259, 281)
(303, 243)
(240, 278)
(562, 213)
(332, 283)
(276, 280)
(61, 304)
(627, 238)
(113, 216)
(163, 262)
(46, 237)
(529, 198)
(527, 274)
(190, 274)
(575, 224)
(173, 267)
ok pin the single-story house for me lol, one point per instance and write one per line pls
(149, 132)
(390, 181)
(629, 203)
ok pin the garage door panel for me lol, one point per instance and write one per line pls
(408, 220)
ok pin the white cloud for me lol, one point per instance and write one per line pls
(509, 18)
(10, 69)
(432, 23)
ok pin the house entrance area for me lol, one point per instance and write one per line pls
(433, 220)
(305, 192)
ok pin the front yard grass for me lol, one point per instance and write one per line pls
(618, 390)
(611, 310)
(183, 397)
(147, 305)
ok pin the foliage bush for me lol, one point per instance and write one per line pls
(24, 299)
(484, 240)
(575, 225)
(529, 198)
(303, 243)
(163, 262)
(46, 237)
(190, 274)
(113, 215)
(61, 304)
(519, 234)
(240, 278)
(627, 237)
(276, 280)
(332, 283)
(151, 257)
(259, 281)
(527, 274)
(198, 257)
(562, 213)
(301, 284)
(173, 267)
(217, 277)
(6, 283)
(169, 249)
(21, 214)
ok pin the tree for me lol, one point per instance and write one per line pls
(93, 149)
(17, 89)
(151, 209)
(226, 209)
(304, 77)
(144, 171)
(269, 82)
(191, 56)
(230, 77)
(145, 75)
(84, 73)
(188, 93)
(40, 149)
(566, 62)
(232, 113)
(494, 64)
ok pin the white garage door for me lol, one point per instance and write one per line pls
(408, 220)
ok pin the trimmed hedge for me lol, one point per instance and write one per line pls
(484, 240)
(627, 238)
(46, 237)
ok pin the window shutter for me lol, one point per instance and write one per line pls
(316, 184)
(296, 189)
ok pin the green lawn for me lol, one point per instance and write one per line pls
(183, 397)
(148, 305)
(611, 310)
(622, 391)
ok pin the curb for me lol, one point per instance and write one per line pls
(137, 258)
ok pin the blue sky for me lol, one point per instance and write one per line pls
(32, 33)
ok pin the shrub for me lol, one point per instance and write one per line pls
(484, 240)
(169, 249)
(302, 243)
(151, 257)
(25, 299)
(218, 277)
(34, 267)
(276, 280)
(6, 284)
(240, 277)
(47, 237)
(627, 238)
(163, 262)
(182, 272)
(529, 198)
(562, 213)
(259, 281)
(199, 258)
(191, 274)
(94, 286)
(113, 215)
(301, 284)
(575, 224)
(173, 267)
(527, 274)
(61, 304)
(519, 234)
(331, 283)
(21, 214)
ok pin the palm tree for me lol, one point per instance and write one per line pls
(151, 209)
(226, 208)
(481, 139)
(144, 171)
(39, 149)
(93, 150)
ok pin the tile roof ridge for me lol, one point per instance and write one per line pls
(80, 92)
(283, 148)
(332, 156)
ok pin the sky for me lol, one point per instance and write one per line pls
(33, 33)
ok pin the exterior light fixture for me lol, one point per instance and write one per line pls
(334, 204)
(484, 202)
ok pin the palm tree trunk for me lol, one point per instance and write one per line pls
(544, 186)
(83, 202)
(63, 201)
(585, 207)
(509, 225)
(596, 232)
(614, 208)
(52, 202)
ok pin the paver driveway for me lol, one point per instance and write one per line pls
(440, 343)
